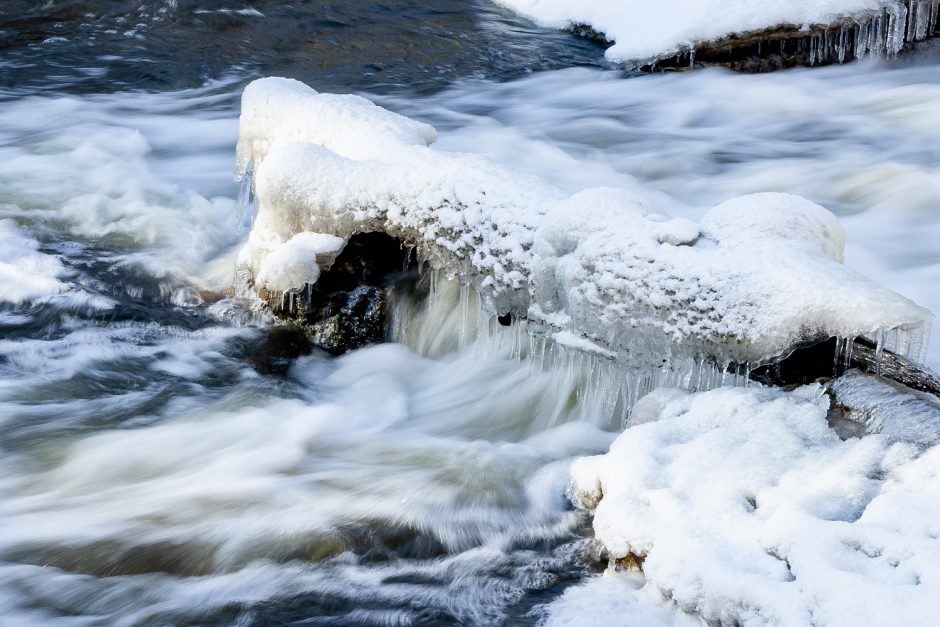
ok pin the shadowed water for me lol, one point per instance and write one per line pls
(99, 45)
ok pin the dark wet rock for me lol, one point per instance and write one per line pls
(280, 348)
(360, 320)
(348, 306)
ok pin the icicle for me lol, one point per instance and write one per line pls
(407, 262)
(876, 43)
(847, 356)
(243, 205)
(838, 358)
(879, 349)
(897, 19)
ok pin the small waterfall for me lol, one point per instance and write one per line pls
(445, 319)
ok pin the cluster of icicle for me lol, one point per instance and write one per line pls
(879, 35)
(907, 342)
(592, 385)
(882, 34)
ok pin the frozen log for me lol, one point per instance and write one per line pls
(752, 35)
(605, 268)
(829, 358)
(875, 358)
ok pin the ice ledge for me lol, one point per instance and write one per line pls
(642, 33)
(758, 275)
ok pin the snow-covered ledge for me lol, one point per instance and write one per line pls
(607, 267)
(643, 32)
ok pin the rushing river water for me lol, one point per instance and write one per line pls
(151, 474)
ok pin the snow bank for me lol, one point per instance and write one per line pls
(758, 274)
(750, 510)
(646, 31)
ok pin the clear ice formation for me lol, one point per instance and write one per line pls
(879, 406)
(645, 32)
(603, 272)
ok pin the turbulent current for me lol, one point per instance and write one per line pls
(153, 471)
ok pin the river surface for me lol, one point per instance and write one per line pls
(152, 474)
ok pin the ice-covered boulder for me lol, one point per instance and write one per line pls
(758, 274)
(645, 32)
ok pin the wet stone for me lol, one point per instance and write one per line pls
(279, 348)
(348, 306)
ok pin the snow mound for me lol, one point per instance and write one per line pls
(757, 275)
(644, 32)
(750, 510)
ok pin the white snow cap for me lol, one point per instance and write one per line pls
(298, 261)
(759, 274)
(276, 111)
(645, 31)
(750, 510)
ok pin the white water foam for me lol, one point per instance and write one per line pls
(139, 176)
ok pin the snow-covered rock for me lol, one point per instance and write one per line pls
(757, 275)
(750, 510)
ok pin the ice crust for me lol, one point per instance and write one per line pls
(756, 275)
(750, 510)
(897, 413)
(644, 32)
